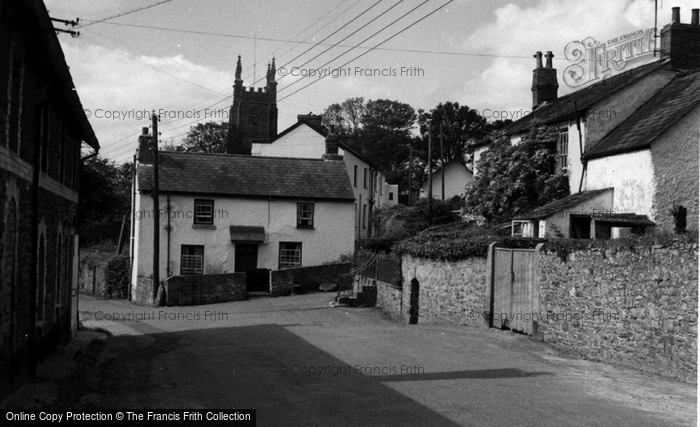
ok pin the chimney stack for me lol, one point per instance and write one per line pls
(145, 150)
(311, 118)
(544, 81)
(695, 17)
(681, 42)
(332, 140)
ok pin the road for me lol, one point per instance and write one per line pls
(299, 361)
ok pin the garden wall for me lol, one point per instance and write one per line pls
(635, 307)
(450, 291)
(308, 278)
(205, 289)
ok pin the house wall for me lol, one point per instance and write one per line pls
(28, 80)
(303, 142)
(362, 192)
(561, 220)
(456, 178)
(330, 238)
(675, 159)
(632, 177)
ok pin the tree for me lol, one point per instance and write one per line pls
(513, 180)
(207, 137)
(461, 126)
(105, 190)
(386, 133)
(346, 117)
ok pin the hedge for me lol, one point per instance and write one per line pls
(117, 277)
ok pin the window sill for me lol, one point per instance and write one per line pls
(204, 226)
(306, 227)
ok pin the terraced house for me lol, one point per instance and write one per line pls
(628, 143)
(42, 129)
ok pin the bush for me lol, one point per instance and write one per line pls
(117, 277)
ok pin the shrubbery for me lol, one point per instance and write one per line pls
(117, 277)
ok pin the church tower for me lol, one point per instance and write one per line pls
(253, 115)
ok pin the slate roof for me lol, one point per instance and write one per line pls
(321, 130)
(563, 107)
(653, 118)
(344, 144)
(248, 176)
(562, 204)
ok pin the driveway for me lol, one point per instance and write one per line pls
(299, 361)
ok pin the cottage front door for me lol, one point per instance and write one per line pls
(246, 257)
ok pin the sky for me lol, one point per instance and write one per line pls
(179, 57)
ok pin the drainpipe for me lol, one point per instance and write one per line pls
(168, 229)
(133, 225)
(584, 162)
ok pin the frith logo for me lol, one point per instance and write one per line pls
(593, 60)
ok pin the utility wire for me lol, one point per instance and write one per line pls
(92, 22)
(354, 47)
(368, 51)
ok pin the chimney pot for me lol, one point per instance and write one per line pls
(675, 15)
(695, 17)
(538, 59)
(549, 57)
(144, 131)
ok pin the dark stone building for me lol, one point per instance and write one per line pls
(42, 129)
(253, 116)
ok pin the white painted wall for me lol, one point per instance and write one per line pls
(302, 142)
(456, 178)
(331, 237)
(632, 176)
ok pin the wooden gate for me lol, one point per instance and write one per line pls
(515, 290)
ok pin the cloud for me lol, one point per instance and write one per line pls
(120, 89)
(520, 31)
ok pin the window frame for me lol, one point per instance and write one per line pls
(196, 218)
(298, 247)
(563, 149)
(354, 178)
(365, 178)
(190, 251)
(300, 218)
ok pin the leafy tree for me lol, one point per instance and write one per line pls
(513, 180)
(105, 190)
(346, 117)
(207, 137)
(386, 133)
(461, 126)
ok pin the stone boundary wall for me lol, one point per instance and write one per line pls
(389, 300)
(449, 291)
(205, 289)
(308, 278)
(633, 307)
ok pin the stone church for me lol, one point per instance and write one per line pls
(253, 115)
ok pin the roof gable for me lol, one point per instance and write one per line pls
(563, 107)
(319, 130)
(652, 119)
(248, 176)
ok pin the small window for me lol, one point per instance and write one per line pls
(305, 215)
(563, 149)
(204, 212)
(365, 178)
(290, 255)
(192, 260)
(364, 216)
(354, 177)
(391, 195)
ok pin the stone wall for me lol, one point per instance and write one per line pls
(205, 289)
(389, 300)
(308, 278)
(636, 308)
(449, 291)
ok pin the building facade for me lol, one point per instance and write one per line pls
(42, 129)
(233, 213)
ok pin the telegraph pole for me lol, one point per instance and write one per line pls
(442, 164)
(430, 169)
(156, 211)
(410, 172)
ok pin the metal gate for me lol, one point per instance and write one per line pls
(515, 290)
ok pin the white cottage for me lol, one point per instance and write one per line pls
(224, 213)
